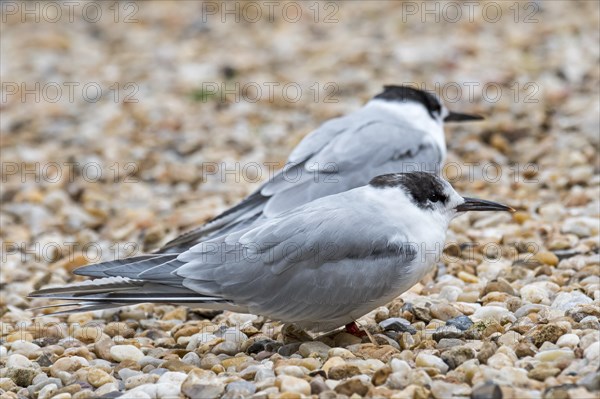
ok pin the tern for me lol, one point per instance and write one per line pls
(318, 266)
(400, 130)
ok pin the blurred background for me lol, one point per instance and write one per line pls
(124, 124)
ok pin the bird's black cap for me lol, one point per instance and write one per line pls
(423, 187)
(407, 93)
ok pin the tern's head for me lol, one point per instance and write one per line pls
(431, 193)
(428, 103)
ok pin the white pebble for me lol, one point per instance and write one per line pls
(492, 312)
(173, 378)
(592, 352)
(568, 340)
(424, 360)
(198, 339)
(18, 361)
(555, 354)
(568, 300)
(126, 352)
(47, 391)
(399, 366)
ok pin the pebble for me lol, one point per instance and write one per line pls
(461, 322)
(202, 384)
(492, 312)
(241, 388)
(444, 312)
(140, 379)
(456, 356)
(287, 383)
(445, 390)
(27, 349)
(68, 364)
(97, 377)
(568, 300)
(314, 349)
(592, 352)
(555, 355)
(353, 386)
(568, 340)
(397, 324)
(546, 333)
(18, 361)
(126, 352)
(425, 360)
(47, 391)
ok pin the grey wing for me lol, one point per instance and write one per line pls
(352, 159)
(290, 266)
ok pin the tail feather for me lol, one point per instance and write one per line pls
(111, 292)
(128, 267)
(109, 284)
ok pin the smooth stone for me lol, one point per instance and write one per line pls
(456, 356)
(198, 339)
(68, 364)
(294, 371)
(461, 322)
(97, 377)
(141, 379)
(592, 352)
(126, 352)
(397, 324)
(488, 390)
(47, 391)
(492, 312)
(289, 349)
(191, 358)
(202, 384)
(18, 361)
(314, 349)
(400, 366)
(173, 378)
(243, 388)
(568, 340)
(353, 386)
(568, 300)
(125, 373)
(343, 371)
(28, 349)
(232, 335)
(444, 311)
(425, 360)
(227, 348)
(447, 332)
(267, 345)
(445, 390)
(287, 383)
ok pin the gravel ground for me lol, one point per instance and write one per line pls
(511, 311)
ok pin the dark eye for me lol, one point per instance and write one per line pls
(435, 198)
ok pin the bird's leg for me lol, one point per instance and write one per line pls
(292, 333)
(354, 329)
